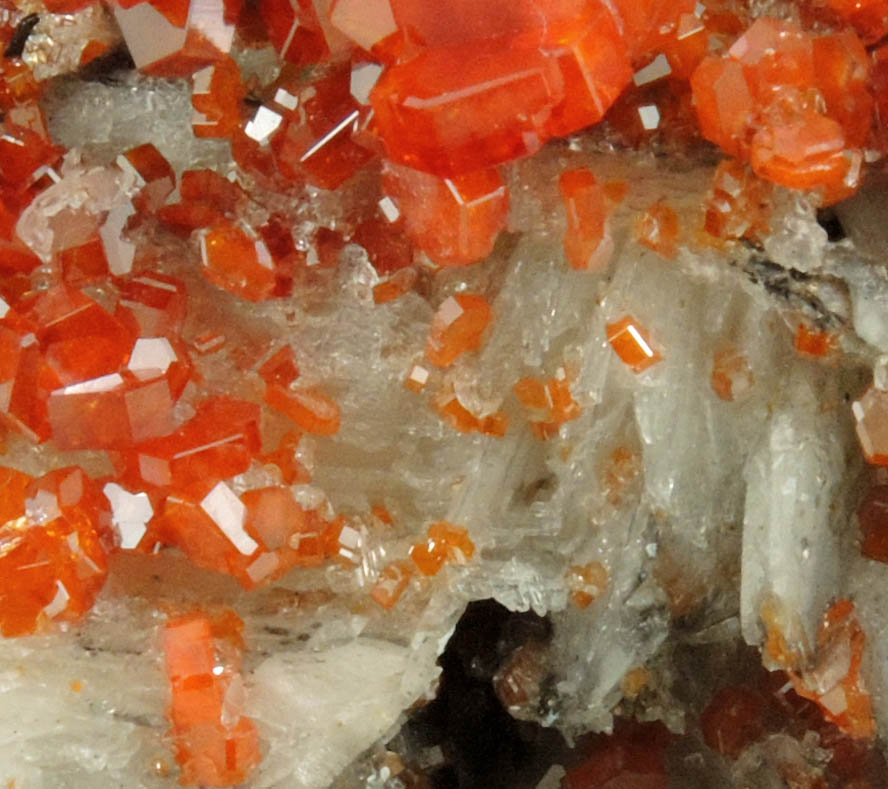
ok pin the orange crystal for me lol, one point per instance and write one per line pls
(843, 700)
(216, 97)
(814, 342)
(455, 221)
(288, 535)
(395, 286)
(317, 143)
(630, 341)
(53, 563)
(457, 328)
(871, 417)
(237, 262)
(739, 204)
(285, 458)
(311, 410)
(216, 745)
(218, 442)
(796, 105)
(869, 17)
(280, 368)
(84, 264)
(392, 583)
(446, 542)
(23, 154)
(461, 418)
(550, 404)
(80, 339)
(111, 412)
(466, 107)
(657, 229)
(587, 242)
(155, 174)
(154, 302)
(295, 30)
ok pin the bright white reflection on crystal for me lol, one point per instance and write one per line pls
(363, 78)
(201, 80)
(149, 35)
(419, 375)
(130, 513)
(58, 603)
(4, 308)
(152, 353)
(449, 311)
(389, 209)
(657, 69)
(119, 252)
(127, 166)
(265, 123)
(208, 18)
(286, 99)
(228, 513)
(650, 116)
(104, 383)
(263, 566)
(366, 22)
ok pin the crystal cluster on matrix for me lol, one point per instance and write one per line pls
(428, 105)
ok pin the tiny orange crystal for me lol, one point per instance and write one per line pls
(630, 341)
(457, 328)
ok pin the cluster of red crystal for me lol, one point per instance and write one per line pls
(54, 540)
(738, 716)
(795, 105)
(90, 377)
(215, 743)
(549, 404)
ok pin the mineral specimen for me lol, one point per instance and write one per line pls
(416, 393)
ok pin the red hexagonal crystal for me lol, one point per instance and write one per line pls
(467, 107)
(455, 221)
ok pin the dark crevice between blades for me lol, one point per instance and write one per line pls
(20, 36)
(481, 744)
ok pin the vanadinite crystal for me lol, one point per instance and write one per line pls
(215, 743)
(443, 392)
